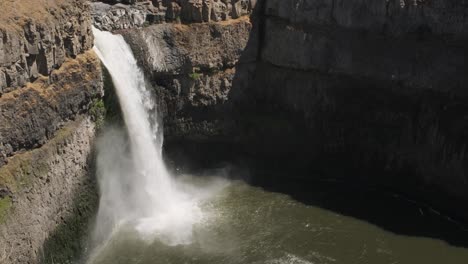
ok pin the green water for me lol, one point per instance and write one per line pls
(245, 224)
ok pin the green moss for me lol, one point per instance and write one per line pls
(68, 242)
(22, 168)
(15, 174)
(107, 109)
(98, 112)
(195, 75)
(5, 205)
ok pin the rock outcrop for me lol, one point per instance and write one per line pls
(193, 67)
(120, 16)
(37, 38)
(115, 15)
(49, 187)
(31, 115)
(50, 87)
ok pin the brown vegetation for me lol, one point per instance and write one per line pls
(18, 12)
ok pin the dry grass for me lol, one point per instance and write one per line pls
(16, 13)
(69, 67)
(185, 27)
(235, 21)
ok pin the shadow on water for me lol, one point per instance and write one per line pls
(262, 128)
(391, 211)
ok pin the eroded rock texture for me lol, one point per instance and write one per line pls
(380, 86)
(31, 115)
(113, 15)
(193, 67)
(49, 83)
(36, 38)
(50, 187)
(365, 91)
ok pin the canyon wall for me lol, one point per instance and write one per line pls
(50, 102)
(192, 68)
(361, 91)
(199, 56)
(380, 86)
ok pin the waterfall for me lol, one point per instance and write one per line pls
(136, 188)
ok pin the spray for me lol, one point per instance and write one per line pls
(136, 189)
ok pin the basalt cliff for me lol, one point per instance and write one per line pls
(50, 92)
(365, 92)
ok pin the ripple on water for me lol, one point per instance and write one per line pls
(243, 224)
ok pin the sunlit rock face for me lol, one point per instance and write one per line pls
(193, 68)
(37, 39)
(114, 15)
(50, 88)
(51, 198)
(363, 91)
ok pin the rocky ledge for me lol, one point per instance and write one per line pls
(122, 14)
(30, 116)
(38, 38)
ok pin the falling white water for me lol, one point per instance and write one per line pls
(135, 187)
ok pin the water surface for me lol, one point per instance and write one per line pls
(245, 224)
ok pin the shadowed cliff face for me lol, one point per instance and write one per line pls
(369, 92)
(380, 87)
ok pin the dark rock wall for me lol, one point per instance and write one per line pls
(366, 91)
(380, 86)
(369, 92)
